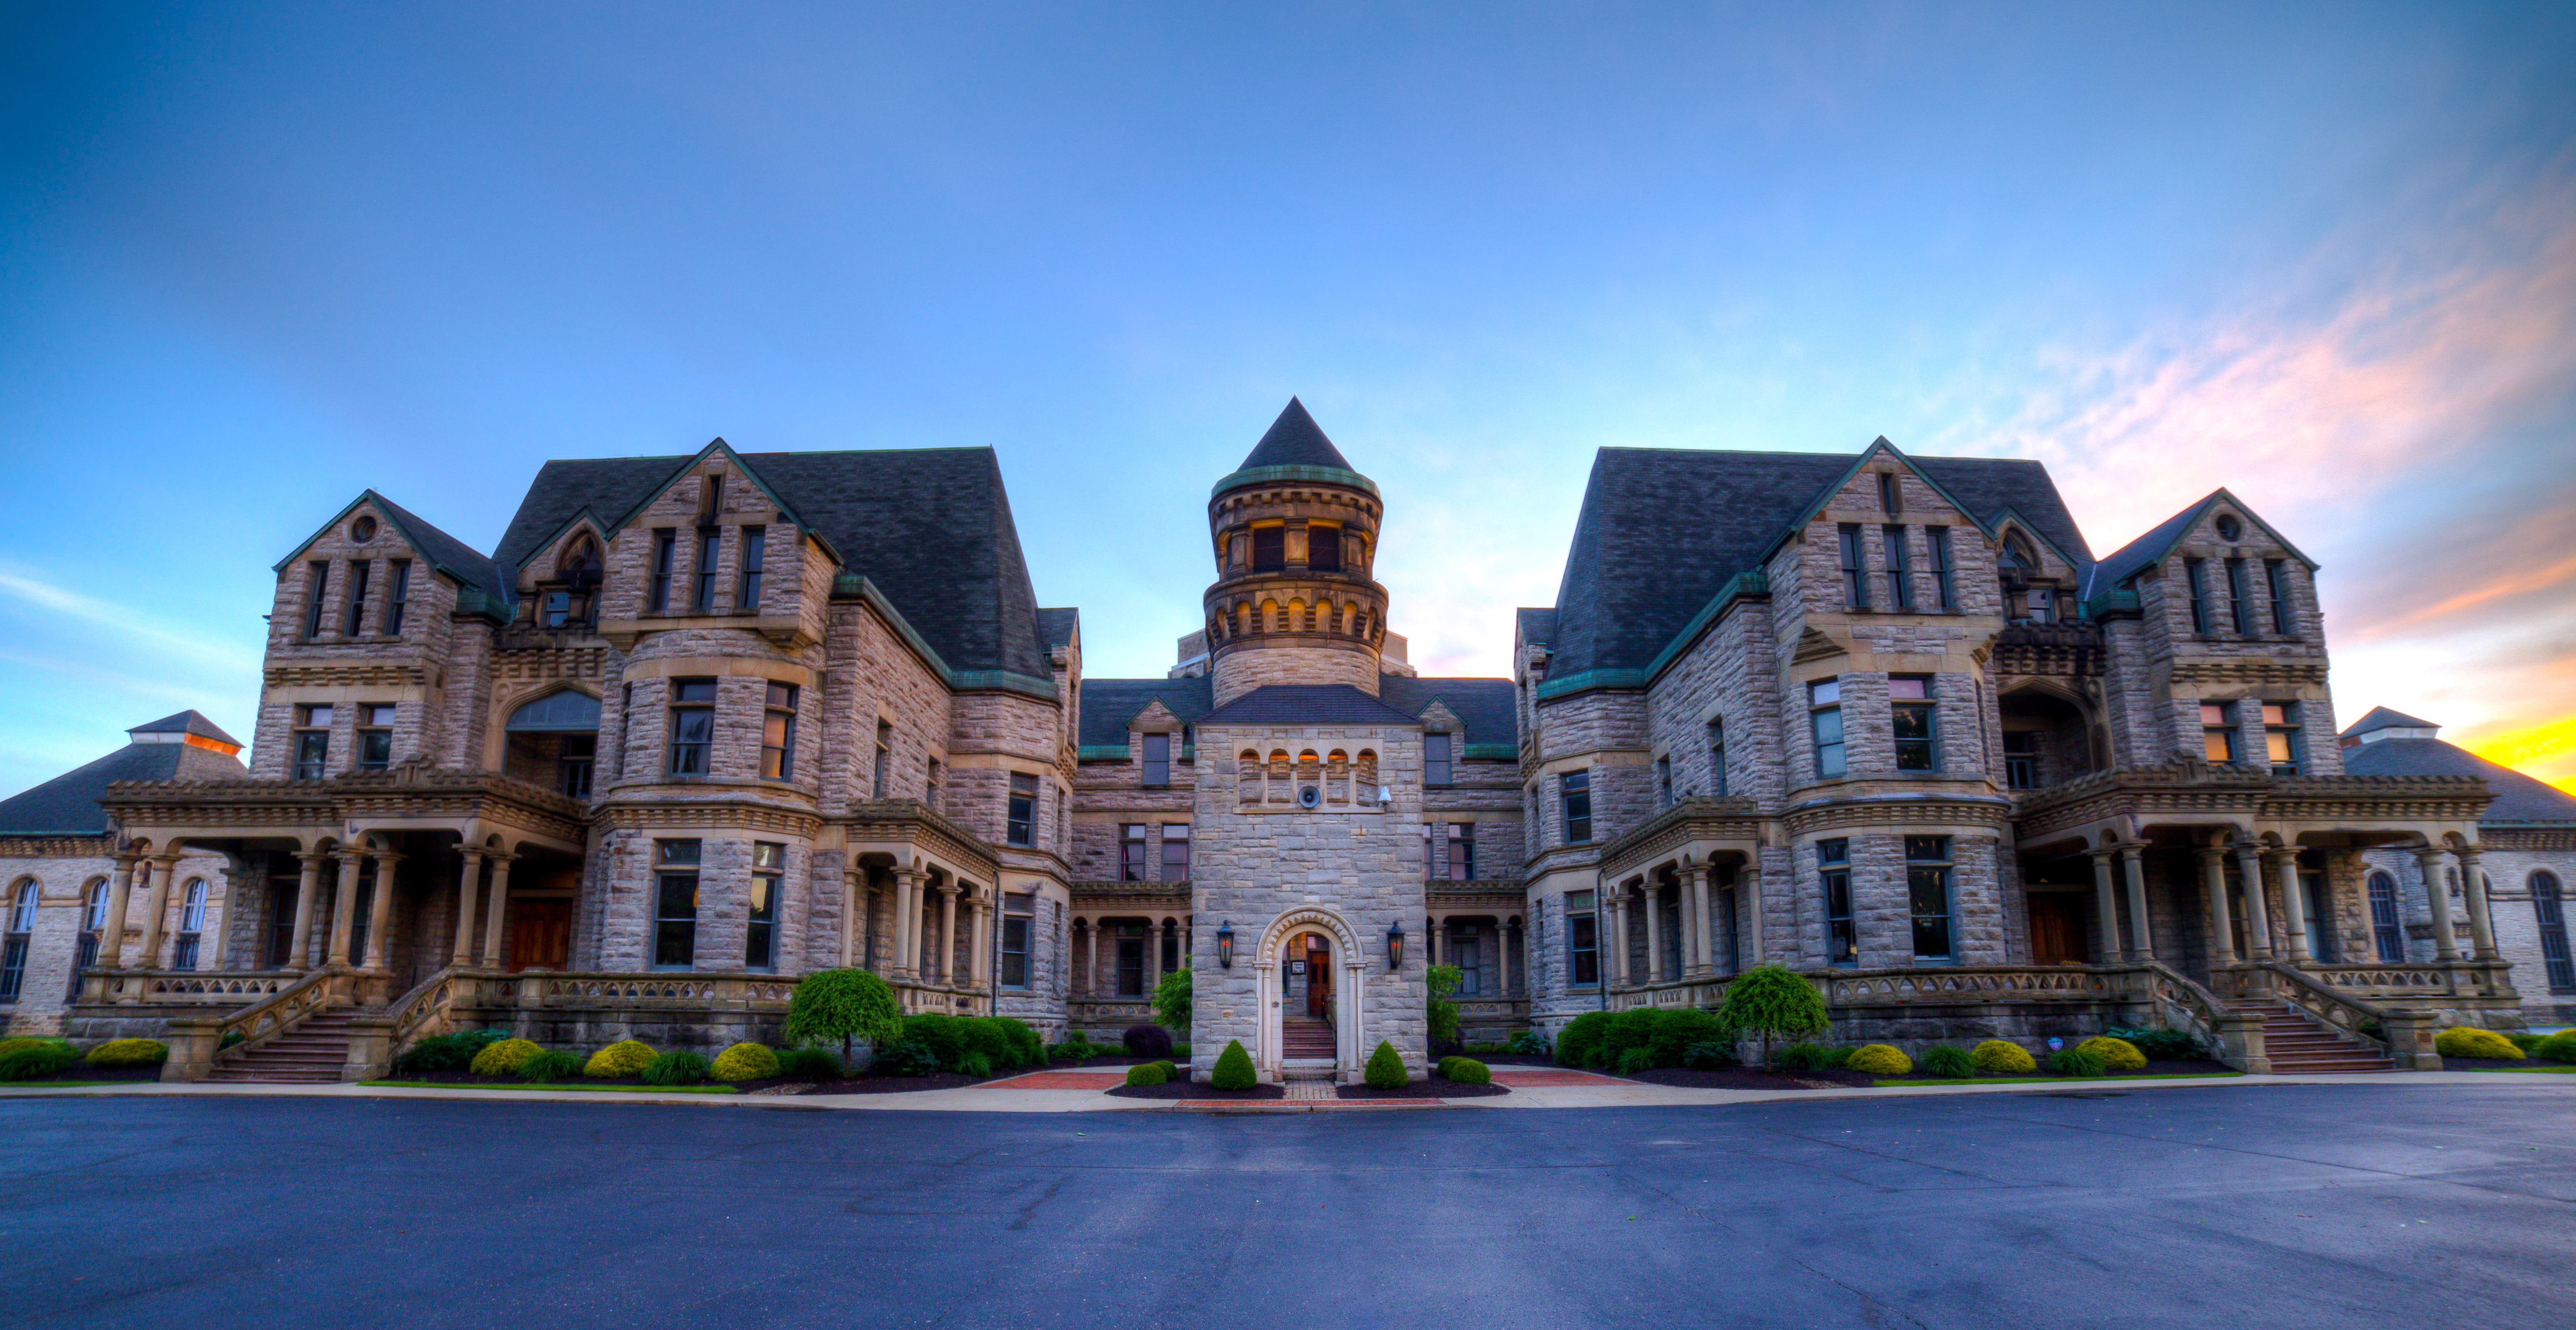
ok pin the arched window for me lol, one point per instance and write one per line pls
(2385, 925)
(2545, 907)
(192, 926)
(2018, 555)
(22, 908)
(13, 950)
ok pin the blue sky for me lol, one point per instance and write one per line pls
(254, 259)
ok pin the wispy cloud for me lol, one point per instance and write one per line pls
(120, 620)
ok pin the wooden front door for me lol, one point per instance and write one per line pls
(2056, 930)
(540, 934)
(1319, 979)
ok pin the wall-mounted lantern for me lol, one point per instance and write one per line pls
(1225, 945)
(1395, 946)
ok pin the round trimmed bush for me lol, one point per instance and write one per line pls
(626, 1057)
(905, 1057)
(2559, 1047)
(1803, 1057)
(22, 1059)
(2002, 1057)
(1147, 1073)
(677, 1067)
(745, 1061)
(2074, 1062)
(2466, 1041)
(1233, 1068)
(129, 1053)
(1879, 1060)
(1466, 1071)
(1950, 1064)
(1584, 1040)
(503, 1058)
(1386, 1068)
(2116, 1054)
(549, 1065)
(1150, 1042)
(944, 1035)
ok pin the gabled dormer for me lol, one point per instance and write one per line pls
(2038, 582)
(2215, 573)
(1886, 537)
(714, 546)
(562, 585)
(376, 573)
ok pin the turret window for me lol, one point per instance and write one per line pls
(760, 926)
(1916, 721)
(884, 760)
(693, 725)
(22, 930)
(778, 734)
(1269, 548)
(1833, 872)
(1324, 549)
(1717, 758)
(1825, 726)
(1022, 828)
(1927, 892)
(1574, 790)
(312, 740)
(675, 904)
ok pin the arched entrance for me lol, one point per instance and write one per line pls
(1293, 949)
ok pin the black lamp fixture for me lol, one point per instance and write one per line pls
(1395, 945)
(1225, 945)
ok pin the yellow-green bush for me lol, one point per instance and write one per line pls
(2002, 1057)
(626, 1057)
(2468, 1041)
(129, 1053)
(1879, 1060)
(503, 1058)
(2116, 1054)
(1147, 1073)
(746, 1062)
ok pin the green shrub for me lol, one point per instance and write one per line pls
(944, 1035)
(2116, 1054)
(25, 1059)
(1804, 1057)
(1172, 1000)
(1837, 1056)
(549, 1065)
(1147, 1073)
(1147, 1041)
(905, 1057)
(1583, 1039)
(1172, 1070)
(231, 1037)
(1233, 1068)
(1635, 1060)
(975, 1064)
(813, 1064)
(1031, 1050)
(677, 1067)
(2559, 1047)
(2074, 1062)
(844, 1007)
(1948, 1063)
(1466, 1071)
(2524, 1040)
(1438, 982)
(2002, 1057)
(626, 1057)
(1879, 1060)
(129, 1053)
(1709, 1055)
(745, 1062)
(503, 1058)
(445, 1052)
(1770, 1002)
(1386, 1068)
(9, 1046)
(1528, 1043)
(2160, 1045)
(1073, 1050)
(2465, 1041)
(986, 1036)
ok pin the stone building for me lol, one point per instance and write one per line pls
(700, 725)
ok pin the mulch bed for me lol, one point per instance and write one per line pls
(1512, 1059)
(82, 1071)
(1752, 1078)
(1196, 1090)
(1434, 1087)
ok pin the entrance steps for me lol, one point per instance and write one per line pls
(313, 1052)
(2298, 1043)
(1305, 1037)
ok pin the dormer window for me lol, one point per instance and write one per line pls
(1158, 759)
(2229, 529)
(357, 597)
(317, 585)
(2276, 573)
(1891, 493)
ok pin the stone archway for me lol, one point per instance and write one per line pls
(1348, 1007)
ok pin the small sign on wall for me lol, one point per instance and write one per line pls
(1296, 967)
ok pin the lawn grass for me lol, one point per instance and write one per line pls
(2544, 1071)
(2058, 1080)
(47, 1085)
(556, 1085)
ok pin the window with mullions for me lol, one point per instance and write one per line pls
(1938, 539)
(1324, 549)
(357, 610)
(1855, 573)
(755, 549)
(1435, 759)
(2387, 929)
(2281, 737)
(2285, 615)
(693, 725)
(397, 597)
(1917, 722)
(2548, 912)
(1574, 794)
(1019, 911)
(1717, 758)
(1927, 895)
(710, 545)
(574, 761)
(1132, 847)
(1269, 548)
(1176, 852)
(1900, 577)
(22, 932)
(2021, 759)
(1833, 870)
(317, 586)
(192, 926)
(760, 926)
(666, 544)
(675, 904)
(2240, 599)
(1158, 759)
(312, 741)
(1023, 825)
(375, 735)
(2218, 733)
(1825, 726)
(1459, 840)
(778, 733)
(2197, 579)
(1582, 940)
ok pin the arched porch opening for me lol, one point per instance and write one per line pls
(1276, 962)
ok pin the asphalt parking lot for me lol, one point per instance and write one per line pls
(2271, 1206)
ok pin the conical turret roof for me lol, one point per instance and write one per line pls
(1295, 440)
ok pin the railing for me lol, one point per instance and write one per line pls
(2432, 979)
(1980, 983)
(196, 1041)
(2181, 1004)
(1707, 992)
(214, 987)
(550, 987)
(2404, 1033)
(916, 997)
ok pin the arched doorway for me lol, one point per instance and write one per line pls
(1310, 969)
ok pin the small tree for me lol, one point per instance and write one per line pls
(1769, 1002)
(1438, 983)
(1172, 1003)
(847, 1005)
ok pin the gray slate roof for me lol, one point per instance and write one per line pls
(1295, 439)
(1109, 705)
(1056, 626)
(931, 527)
(1486, 706)
(186, 722)
(2519, 798)
(460, 560)
(1662, 530)
(2381, 718)
(1307, 704)
(67, 805)
(1538, 626)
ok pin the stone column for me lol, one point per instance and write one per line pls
(1091, 967)
(2473, 884)
(1619, 936)
(2142, 938)
(343, 905)
(1654, 903)
(469, 889)
(380, 914)
(2446, 945)
(1748, 889)
(948, 934)
(497, 911)
(979, 969)
(907, 923)
(1508, 937)
(2258, 912)
(2294, 908)
(2213, 878)
(2105, 905)
(308, 887)
(111, 944)
(156, 910)
(1696, 890)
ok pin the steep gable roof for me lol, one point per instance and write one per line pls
(446, 553)
(1110, 705)
(2150, 549)
(1485, 706)
(1058, 626)
(2518, 798)
(1307, 704)
(67, 805)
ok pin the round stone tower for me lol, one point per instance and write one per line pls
(1295, 533)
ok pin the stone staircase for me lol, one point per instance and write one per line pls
(1303, 1037)
(310, 1053)
(2298, 1043)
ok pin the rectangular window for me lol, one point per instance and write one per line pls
(312, 741)
(1717, 758)
(397, 597)
(1018, 909)
(558, 609)
(2043, 604)
(1132, 847)
(1430, 851)
(1176, 852)
(693, 725)
(1664, 782)
(1324, 549)
(1891, 493)
(1900, 578)
(2240, 599)
(2021, 759)
(1842, 936)
(1917, 722)
(1435, 759)
(1023, 828)
(1938, 537)
(575, 758)
(2281, 737)
(1855, 573)
(2197, 577)
(1131, 962)
(675, 904)
(317, 587)
(755, 549)
(1583, 940)
(930, 785)
(1462, 851)
(2285, 616)
(1269, 548)
(1927, 894)
(1574, 790)
(884, 759)
(1158, 759)
(760, 927)
(710, 546)
(1825, 725)
(665, 552)
(375, 736)
(778, 733)
(2218, 733)
(357, 615)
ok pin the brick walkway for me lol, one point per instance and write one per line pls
(1058, 1080)
(1310, 1090)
